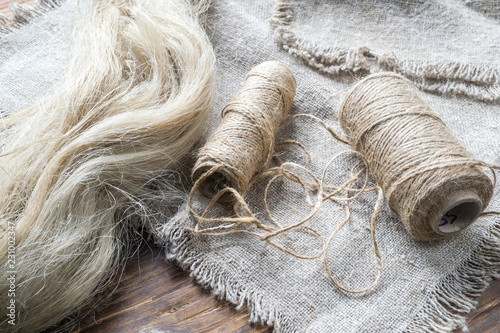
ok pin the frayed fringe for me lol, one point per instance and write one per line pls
(177, 243)
(478, 81)
(445, 310)
(22, 14)
(456, 295)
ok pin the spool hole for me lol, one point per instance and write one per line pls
(460, 216)
(214, 184)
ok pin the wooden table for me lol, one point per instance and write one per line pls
(4, 6)
(154, 294)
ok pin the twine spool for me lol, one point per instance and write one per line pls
(243, 143)
(432, 182)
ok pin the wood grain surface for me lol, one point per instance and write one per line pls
(4, 6)
(155, 296)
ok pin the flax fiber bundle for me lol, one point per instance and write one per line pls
(136, 92)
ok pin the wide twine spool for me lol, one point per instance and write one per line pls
(243, 143)
(431, 181)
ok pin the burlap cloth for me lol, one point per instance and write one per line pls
(447, 48)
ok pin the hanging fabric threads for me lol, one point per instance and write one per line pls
(432, 182)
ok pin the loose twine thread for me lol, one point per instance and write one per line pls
(414, 159)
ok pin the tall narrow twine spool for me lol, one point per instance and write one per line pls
(429, 179)
(243, 143)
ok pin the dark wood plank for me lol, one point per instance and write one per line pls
(4, 6)
(486, 317)
(154, 294)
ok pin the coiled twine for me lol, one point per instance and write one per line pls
(243, 143)
(431, 181)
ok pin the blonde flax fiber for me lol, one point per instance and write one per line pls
(76, 166)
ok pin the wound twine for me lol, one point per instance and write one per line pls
(243, 143)
(239, 152)
(431, 181)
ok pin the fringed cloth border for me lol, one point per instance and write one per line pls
(477, 81)
(457, 293)
(23, 14)
(263, 310)
(445, 310)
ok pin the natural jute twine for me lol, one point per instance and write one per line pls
(431, 181)
(239, 152)
(244, 140)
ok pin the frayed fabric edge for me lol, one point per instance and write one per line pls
(23, 14)
(456, 295)
(176, 241)
(478, 81)
(446, 309)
